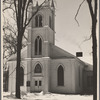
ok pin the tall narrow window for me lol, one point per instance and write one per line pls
(38, 69)
(50, 22)
(38, 21)
(79, 76)
(60, 76)
(21, 76)
(38, 46)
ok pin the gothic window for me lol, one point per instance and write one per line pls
(79, 76)
(50, 22)
(60, 76)
(38, 69)
(38, 21)
(21, 76)
(38, 46)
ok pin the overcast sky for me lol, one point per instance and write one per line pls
(69, 35)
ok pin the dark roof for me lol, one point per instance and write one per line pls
(56, 53)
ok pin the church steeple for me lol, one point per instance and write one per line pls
(42, 30)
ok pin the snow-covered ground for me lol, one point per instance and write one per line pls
(49, 96)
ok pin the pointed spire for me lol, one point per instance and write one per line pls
(47, 2)
(52, 4)
(37, 4)
(31, 1)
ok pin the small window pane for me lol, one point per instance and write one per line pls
(35, 83)
(38, 21)
(40, 46)
(50, 21)
(36, 47)
(40, 83)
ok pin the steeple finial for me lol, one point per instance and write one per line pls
(37, 4)
(47, 2)
(52, 4)
(31, 1)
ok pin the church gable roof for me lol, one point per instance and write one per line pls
(56, 53)
(88, 67)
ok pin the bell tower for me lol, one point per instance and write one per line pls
(41, 31)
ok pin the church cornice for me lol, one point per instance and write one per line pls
(36, 58)
(44, 27)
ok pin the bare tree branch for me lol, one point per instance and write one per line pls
(88, 38)
(90, 8)
(16, 10)
(40, 7)
(78, 12)
(26, 11)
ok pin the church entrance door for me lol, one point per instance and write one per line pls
(38, 85)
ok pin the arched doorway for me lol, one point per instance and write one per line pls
(38, 78)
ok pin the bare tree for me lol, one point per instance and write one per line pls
(93, 13)
(22, 20)
(10, 41)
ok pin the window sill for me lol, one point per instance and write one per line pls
(60, 86)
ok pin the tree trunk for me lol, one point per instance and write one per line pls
(19, 45)
(94, 41)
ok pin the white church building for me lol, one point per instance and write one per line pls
(46, 67)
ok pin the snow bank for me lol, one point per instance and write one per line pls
(49, 96)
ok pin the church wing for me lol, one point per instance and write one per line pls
(56, 53)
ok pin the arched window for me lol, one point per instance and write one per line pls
(38, 46)
(38, 21)
(21, 76)
(38, 69)
(60, 76)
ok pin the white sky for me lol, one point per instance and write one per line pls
(69, 35)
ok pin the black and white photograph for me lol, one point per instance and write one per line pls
(50, 49)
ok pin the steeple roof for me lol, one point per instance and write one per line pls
(52, 4)
(37, 4)
(47, 3)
